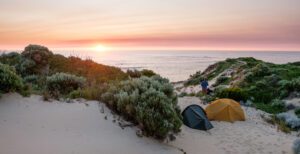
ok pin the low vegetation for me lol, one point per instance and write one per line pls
(137, 74)
(277, 122)
(93, 72)
(251, 81)
(148, 101)
(43, 72)
(9, 80)
(140, 96)
(63, 83)
(233, 93)
(291, 120)
(296, 146)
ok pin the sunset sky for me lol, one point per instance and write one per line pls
(151, 24)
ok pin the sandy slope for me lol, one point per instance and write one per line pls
(251, 136)
(29, 125)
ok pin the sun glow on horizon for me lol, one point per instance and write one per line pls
(101, 48)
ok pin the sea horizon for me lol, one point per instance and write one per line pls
(176, 65)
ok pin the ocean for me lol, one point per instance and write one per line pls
(176, 65)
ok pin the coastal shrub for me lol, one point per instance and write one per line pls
(272, 79)
(148, 101)
(148, 73)
(277, 103)
(262, 81)
(282, 126)
(36, 82)
(295, 63)
(279, 123)
(134, 73)
(208, 98)
(287, 87)
(182, 94)
(267, 107)
(261, 69)
(289, 119)
(222, 80)
(9, 80)
(233, 93)
(194, 79)
(261, 91)
(63, 83)
(31, 79)
(12, 59)
(292, 85)
(93, 72)
(137, 74)
(19, 62)
(89, 93)
(36, 60)
(297, 112)
(219, 88)
(296, 146)
(249, 76)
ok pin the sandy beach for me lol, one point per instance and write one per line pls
(30, 125)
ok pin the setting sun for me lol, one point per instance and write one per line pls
(100, 48)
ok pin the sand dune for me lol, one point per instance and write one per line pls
(30, 125)
(251, 136)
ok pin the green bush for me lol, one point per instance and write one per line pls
(148, 73)
(290, 120)
(150, 102)
(194, 79)
(89, 93)
(208, 98)
(277, 103)
(36, 82)
(269, 108)
(33, 79)
(9, 80)
(11, 59)
(222, 80)
(182, 94)
(233, 93)
(296, 145)
(276, 106)
(137, 74)
(297, 112)
(261, 70)
(134, 73)
(93, 72)
(291, 85)
(63, 83)
(35, 60)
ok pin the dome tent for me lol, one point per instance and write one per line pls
(195, 117)
(225, 110)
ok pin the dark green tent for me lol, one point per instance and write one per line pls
(195, 117)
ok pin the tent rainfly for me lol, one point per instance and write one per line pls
(195, 117)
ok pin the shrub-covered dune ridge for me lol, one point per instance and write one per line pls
(39, 60)
(273, 88)
(255, 80)
(142, 97)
